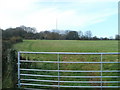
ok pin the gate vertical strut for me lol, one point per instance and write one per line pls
(58, 71)
(101, 71)
(18, 69)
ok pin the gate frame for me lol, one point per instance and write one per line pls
(58, 62)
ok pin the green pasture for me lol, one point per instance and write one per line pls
(69, 46)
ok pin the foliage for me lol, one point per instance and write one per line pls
(9, 68)
(16, 39)
(31, 33)
(117, 37)
(9, 57)
(72, 35)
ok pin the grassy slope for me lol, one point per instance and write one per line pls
(67, 46)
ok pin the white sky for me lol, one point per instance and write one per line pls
(99, 16)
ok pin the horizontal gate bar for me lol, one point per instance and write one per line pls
(64, 62)
(68, 70)
(32, 89)
(70, 86)
(71, 76)
(71, 81)
(70, 53)
(67, 53)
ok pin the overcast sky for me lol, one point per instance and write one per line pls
(99, 16)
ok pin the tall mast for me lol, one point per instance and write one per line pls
(56, 23)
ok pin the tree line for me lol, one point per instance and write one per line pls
(23, 32)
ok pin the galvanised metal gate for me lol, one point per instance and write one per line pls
(58, 76)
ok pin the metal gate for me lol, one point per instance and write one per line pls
(99, 83)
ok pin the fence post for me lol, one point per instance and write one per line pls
(58, 71)
(101, 70)
(18, 69)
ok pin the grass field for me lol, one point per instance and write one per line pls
(69, 46)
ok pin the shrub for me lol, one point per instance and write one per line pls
(15, 39)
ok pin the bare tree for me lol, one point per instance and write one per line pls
(80, 34)
(88, 34)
